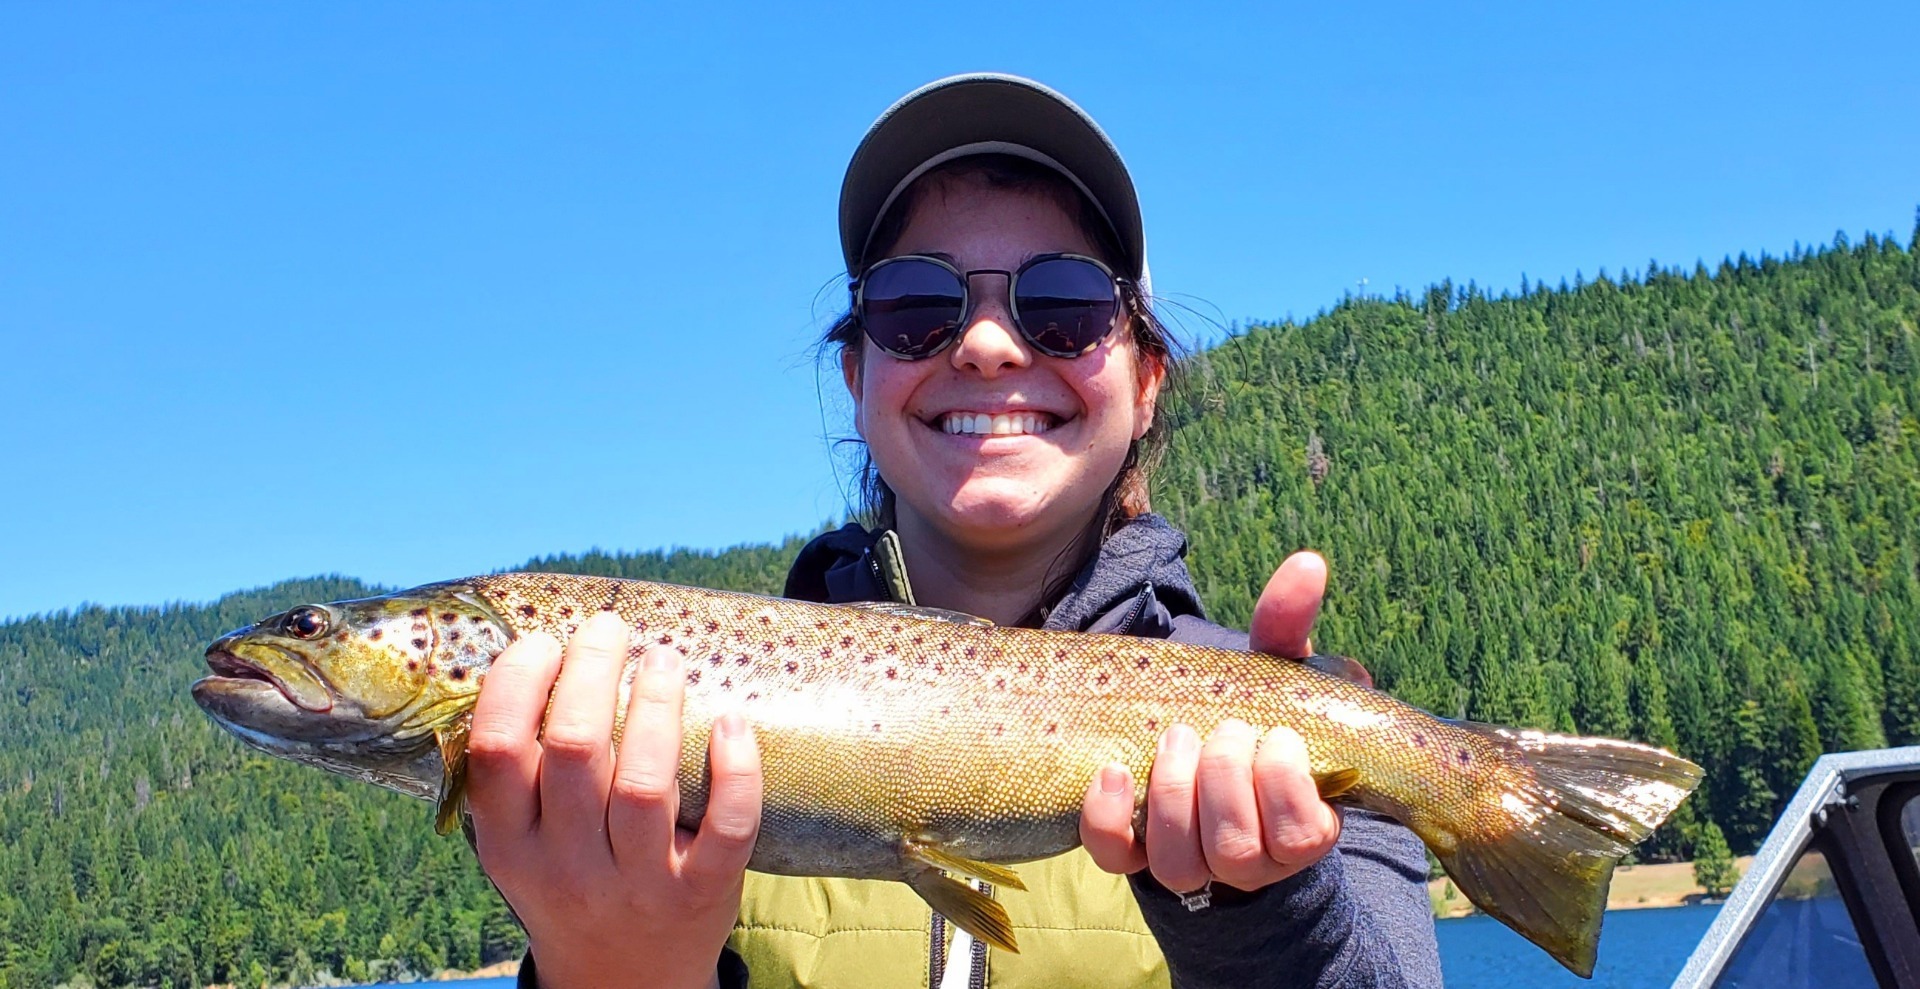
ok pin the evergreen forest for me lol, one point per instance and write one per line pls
(1677, 505)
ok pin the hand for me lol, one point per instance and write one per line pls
(583, 842)
(1239, 809)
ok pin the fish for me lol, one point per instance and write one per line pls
(913, 744)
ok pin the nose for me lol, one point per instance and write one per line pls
(990, 344)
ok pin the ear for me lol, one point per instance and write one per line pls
(1147, 401)
(850, 358)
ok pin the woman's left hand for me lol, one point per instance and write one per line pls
(1238, 809)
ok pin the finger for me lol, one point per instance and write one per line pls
(1297, 826)
(1106, 822)
(646, 785)
(1283, 617)
(1173, 840)
(720, 851)
(503, 746)
(1229, 815)
(576, 770)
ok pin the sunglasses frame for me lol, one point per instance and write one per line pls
(858, 288)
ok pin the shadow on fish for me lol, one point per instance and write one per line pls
(907, 743)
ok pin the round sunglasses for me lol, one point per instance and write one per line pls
(915, 306)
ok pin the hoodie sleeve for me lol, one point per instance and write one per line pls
(1358, 917)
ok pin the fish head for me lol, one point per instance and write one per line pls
(356, 687)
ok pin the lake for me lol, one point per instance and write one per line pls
(1639, 949)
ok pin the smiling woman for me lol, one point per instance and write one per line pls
(1006, 370)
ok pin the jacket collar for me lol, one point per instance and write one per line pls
(1135, 585)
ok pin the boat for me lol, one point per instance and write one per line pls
(1832, 899)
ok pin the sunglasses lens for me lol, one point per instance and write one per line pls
(1066, 305)
(911, 307)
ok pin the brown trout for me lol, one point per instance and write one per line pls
(906, 743)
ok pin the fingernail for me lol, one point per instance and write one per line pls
(732, 725)
(1113, 779)
(1179, 740)
(662, 660)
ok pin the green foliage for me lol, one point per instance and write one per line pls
(1677, 507)
(1713, 867)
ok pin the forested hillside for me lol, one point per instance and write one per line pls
(1682, 506)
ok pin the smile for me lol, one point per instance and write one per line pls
(996, 424)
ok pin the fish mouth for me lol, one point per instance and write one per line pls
(298, 685)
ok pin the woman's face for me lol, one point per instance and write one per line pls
(937, 428)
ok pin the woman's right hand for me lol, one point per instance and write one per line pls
(583, 842)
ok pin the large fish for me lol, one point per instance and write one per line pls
(904, 743)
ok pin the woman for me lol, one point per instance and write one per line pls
(1004, 370)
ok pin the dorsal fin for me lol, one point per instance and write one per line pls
(898, 610)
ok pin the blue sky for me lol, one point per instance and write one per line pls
(409, 291)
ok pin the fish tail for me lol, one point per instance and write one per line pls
(1537, 847)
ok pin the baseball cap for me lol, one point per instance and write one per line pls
(986, 113)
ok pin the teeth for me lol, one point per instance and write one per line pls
(1004, 424)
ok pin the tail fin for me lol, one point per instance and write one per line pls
(1575, 806)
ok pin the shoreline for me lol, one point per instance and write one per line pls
(1635, 887)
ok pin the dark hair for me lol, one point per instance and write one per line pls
(1127, 496)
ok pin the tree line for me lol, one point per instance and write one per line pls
(1677, 505)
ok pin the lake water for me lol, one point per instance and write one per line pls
(1639, 949)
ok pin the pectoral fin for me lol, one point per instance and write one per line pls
(969, 909)
(1335, 782)
(452, 805)
(940, 858)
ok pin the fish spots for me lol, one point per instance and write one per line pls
(420, 644)
(686, 613)
(566, 611)
(893, 672)
(939, 668)
(1153, 724)
(1053, 727)
(1021, 669)
(895, 629)
(919, 640)
(374, 635)
(528, 611)
(788, 642)
(742, 660)
(453, 636)
(868, 659)
(846, 641)
(665, 639)
(1219, 687)
(792, 666)
(999, 730)
(946, 647)
(1179, 671)
(552, 588)
(474, 619)
(1000, 683)
(340, 636)
(945, 710)
(821, 625)
(1059, 654)
(726, 684)
(1302, 694)
(1419, 740)
(448, 617)
(876, 728)
(712, 626)
(1138, 664)
(693, 676)
(418, 613)
(753, 695)
(659, 602)
(766, 619)
(458, 673)
(413, 665)
(971, 652)
(766, 647)
(716, 659)
(1464, 757)
(892, 648)
(826, 653)
(1101, 678)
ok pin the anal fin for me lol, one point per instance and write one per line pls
(452, 805)
(940, 858)
(968, 908)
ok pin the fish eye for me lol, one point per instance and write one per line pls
(307, 622)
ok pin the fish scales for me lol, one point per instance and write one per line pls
(902, 743)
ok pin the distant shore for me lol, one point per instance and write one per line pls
(1635, 887)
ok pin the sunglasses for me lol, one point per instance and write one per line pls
(915, 306)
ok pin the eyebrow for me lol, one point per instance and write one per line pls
(950, 259)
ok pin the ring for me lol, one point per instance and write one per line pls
(1199, 899)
